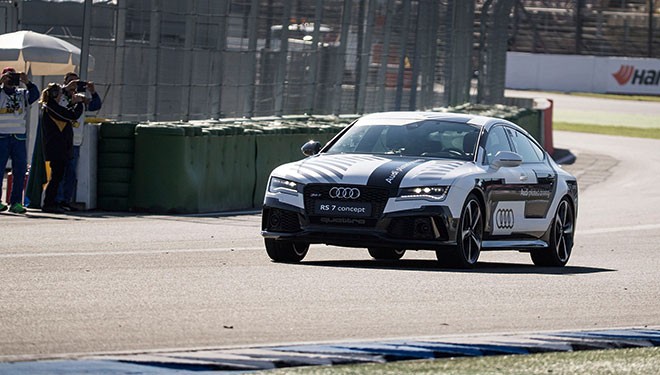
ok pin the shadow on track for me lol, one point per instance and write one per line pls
(432, 266)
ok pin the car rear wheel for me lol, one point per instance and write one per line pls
(561, 238)
(383, 253)
(468, 238)
(286, 251)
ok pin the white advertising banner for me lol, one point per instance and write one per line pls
(577, 73)
(634, 76)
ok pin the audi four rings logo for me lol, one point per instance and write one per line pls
(344, 193)
(504, 218)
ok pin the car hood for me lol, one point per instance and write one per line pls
(374, 170)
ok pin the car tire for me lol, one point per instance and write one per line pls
(469, 237)
(286, 251)
(561, 238)
(383, 253)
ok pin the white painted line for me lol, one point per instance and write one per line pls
(128, 252)
(618, 229)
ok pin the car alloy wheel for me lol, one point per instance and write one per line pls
(283, 251)
(468, 239)
(561, 238)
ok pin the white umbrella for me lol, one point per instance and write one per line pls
(42, 54)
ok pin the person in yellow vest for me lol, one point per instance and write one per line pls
(57, 138)
(14, 106)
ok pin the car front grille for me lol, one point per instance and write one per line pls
(376, 197)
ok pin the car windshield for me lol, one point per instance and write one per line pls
(430, 138)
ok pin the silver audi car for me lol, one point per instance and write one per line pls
(455, 184)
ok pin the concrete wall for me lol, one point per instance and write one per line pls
(583, 73)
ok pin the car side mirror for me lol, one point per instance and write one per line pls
(311, 148)
(506, 159)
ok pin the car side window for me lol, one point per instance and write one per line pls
(529, 152)
(496, 142)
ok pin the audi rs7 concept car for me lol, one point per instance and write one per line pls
(455, 184)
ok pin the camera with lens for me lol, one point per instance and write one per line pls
(54, 91)
(82, 86)
(14, 78)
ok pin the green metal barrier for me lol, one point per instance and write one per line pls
(115, 165)
(230, 173)
(221, 165)
(164, 181)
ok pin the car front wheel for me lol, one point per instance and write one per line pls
(286, 251)
(561, 238)
(382, 253)
(468, 238)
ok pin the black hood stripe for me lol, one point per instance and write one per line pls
(390, 174)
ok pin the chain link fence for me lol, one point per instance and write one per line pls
(628, 28)
(160, 60)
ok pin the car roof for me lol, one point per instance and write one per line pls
(405, 117)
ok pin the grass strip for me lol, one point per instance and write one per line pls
(588, 362)
(625, 131)
(639, 98)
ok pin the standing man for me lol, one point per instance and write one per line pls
(71, 85)
(57, 138)
(14, 106)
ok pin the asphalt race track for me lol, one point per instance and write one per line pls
(97, 282)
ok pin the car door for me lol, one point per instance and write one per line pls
(537, 194)
(504, 208)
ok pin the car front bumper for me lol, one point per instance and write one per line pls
(426, 228)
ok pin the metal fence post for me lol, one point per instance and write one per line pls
(402, 56)
(339, 72)
(152, 72)
(384, 56)
(120, 49)
(483, 67)
(651, 31)
(579, 4)
(188, 43)
(365, 57)
(314, 58)
(459, 62)
(412, 103)
(219, 59)
(280, 76)
(428, 82)
(87, 31)
(248, 105)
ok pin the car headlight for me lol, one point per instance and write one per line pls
(280, 185)
(430, 193)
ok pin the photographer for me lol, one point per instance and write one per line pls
(57, 138)
(14, 106)
(73, 85)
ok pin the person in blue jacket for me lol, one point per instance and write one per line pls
(72, 85)
(14, 105)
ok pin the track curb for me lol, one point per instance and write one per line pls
(238, 360)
